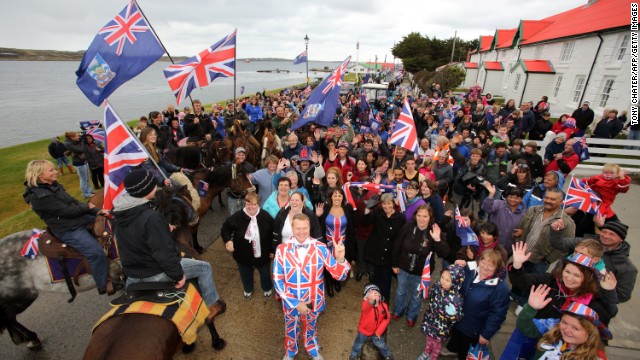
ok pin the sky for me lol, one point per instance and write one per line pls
(270, 28)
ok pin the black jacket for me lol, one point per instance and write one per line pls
(409, 243)
(234, 229)
(145, 244)
(583, 118)
(281, 217)
(59, 210)
(539, 130)
(78, 156)
(164, 136)
(385, 232)
(535, 164)
(56, 149)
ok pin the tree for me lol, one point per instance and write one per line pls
(419, 52)
(449, 78)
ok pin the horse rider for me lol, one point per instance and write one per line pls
(236, 201)
(147, 250)
(66, 218)
(241, 119)
(198, 126)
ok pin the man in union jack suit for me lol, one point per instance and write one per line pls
(298, 270)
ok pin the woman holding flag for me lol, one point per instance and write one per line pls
(415, 241)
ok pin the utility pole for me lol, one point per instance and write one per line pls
(357, 61)
(453, 48)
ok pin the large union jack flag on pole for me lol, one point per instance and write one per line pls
(425, 280)
(122, 153)
(218, 60)
(323, 101)
(404, 132)
(580, 196)
(120, 51)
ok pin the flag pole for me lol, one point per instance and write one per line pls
(564, 201)
(160, 41)
(235, 73)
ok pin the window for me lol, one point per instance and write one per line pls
(567, 50)
(538, 54)
(517, 82)
(578, 88)
(622, 47)
(556, 91)
(606, 91)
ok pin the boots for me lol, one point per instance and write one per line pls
(329, 287)
(71, 169)
(216, 309)
(60, 170)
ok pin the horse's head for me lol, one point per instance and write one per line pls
(240, 183)
(173, 207)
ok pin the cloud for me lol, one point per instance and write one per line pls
(270, 29)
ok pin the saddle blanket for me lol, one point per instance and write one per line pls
(55, 268)
(187, 314)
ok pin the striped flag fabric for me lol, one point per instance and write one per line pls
(123, 152)
(98, 134)
(580, 196)
(425, 280)
(30, 248)
(404, 131)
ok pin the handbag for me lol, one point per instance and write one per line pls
(478, 352)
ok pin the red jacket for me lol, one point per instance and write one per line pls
(608, 189)
(349, 166)
(374, 319)
(571, 161)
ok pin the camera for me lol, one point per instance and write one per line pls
(473, 180)
(412, 261)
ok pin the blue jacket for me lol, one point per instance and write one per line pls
(264, 180)
(500, 214)
(485, 306)
(254, 112)
(534, 196)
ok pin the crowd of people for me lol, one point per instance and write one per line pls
(341, 200)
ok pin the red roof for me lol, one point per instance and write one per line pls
(600, 15)
(504, 38)
(485, 43)
(471, 65)
(529, 28)
(493, 65)
(538, 66)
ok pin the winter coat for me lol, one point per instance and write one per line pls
(485, 306)
(616, 260)
(411, 241)
(144, 241)
(385, 231)
(543, 251)
(540, 129)
(506, 220)
(254, 112)
(534, 196)
(411, 208)
(56, 149)
(535, 164)
(608, 129)
(608, 189)
(94, 155)
(59, 210)
(437, 207)
(444, 307)
(584, 118)
(444, 175)
(374, 319)
(78, 155)
(234, 228)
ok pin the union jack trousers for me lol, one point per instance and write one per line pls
(297, 282)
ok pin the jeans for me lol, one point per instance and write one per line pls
(633, 135)
(234, 204)
(246, 276)
(81, 240)
(407, 286)
(192, 269)
(83, 174)
(63, 160)
(377, 341)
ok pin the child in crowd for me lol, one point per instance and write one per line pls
(612, 181)
(374, 320)
(502, 136)
(593, 249)
(444, 309)
(426, 169)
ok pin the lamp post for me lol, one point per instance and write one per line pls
(306, 50)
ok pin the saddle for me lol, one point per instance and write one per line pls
(51, 247)
(156, 292)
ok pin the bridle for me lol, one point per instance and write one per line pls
(234, 177)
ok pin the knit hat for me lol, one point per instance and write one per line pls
(562, 135)
(139, 183)
(370, 287)
(240, 149)
(617, 227)
(588, 313)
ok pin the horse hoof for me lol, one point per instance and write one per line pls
(34, 345)
(187, 349)
(218, 344)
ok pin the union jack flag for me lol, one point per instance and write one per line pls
(124, 26)
(307, 91)
(464, 231)
(580, 196)
(425, 280)
(99, 135)
(581, 149)
(122, 153)
(200, 70)
(404, 131)
(364, 104)
(336, 76)
(478, 352)
(30, 248)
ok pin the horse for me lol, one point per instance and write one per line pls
(271, 145)
(230, 177)
(241, 139)
(144, 336)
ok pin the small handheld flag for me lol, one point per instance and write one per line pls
(580, 196)
(425, 280)
(464, 231)
(404, 131)
(30, 248)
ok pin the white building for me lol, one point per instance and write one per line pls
(580, 54)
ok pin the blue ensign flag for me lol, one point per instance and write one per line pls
(121, 50)
(302, 57)
(323, 101)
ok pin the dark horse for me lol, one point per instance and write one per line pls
(142, 336)
(230, 177)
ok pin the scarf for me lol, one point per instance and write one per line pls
(253, 234)
(571, 297)
(484, 247)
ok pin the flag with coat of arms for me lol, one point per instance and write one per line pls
(123, 152)
(120, 51)
(218, 60)
(404, 131)
(580, 196)
(425, 280)
(464, 231)
(302, 57)
(323, 101)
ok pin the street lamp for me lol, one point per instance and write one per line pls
(306, 50)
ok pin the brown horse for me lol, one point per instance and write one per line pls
(229, 177)
(240, 138)
(271, 145)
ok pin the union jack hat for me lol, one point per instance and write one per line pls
(582, 259)
(588, 313)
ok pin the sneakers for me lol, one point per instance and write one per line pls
(287, 357)
(518, 310)
(445, 352)
(267, 294)
(353, 357)
(423, 356)
(359, 277)
(318, 357)
(247, 296)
